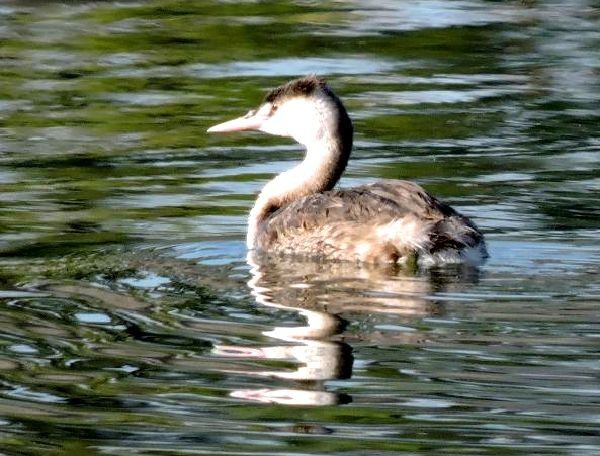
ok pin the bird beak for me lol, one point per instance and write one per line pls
(252, 122)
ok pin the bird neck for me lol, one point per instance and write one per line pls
(322, 167)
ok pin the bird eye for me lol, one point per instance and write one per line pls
(274, 108)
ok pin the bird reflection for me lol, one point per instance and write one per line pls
(322, 293)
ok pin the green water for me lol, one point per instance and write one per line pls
(131, 320)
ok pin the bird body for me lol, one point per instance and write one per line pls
(387, 221)
(300, 213)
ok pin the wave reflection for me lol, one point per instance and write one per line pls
(329, 296)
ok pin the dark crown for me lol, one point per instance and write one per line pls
(303, 87)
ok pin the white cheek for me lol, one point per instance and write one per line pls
(303, 119)
(270, 124)
(300, 118)
(275, 126)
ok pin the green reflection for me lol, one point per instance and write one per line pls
(103, 159)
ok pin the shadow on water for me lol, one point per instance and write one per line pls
(161, 349)
(141, 338)
(322, 293)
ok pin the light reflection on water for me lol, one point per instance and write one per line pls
(293, 67)
(445, 348)
(131, 320)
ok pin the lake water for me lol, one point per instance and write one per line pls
(131, 319)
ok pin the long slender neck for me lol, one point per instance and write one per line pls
(322, 167)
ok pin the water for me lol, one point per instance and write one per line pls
(132, 321)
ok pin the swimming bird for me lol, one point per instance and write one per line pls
(299, 212)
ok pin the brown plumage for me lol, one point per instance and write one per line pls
(300, 213)
(303, 87)
(343, 224)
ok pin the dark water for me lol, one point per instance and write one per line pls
(131, 321)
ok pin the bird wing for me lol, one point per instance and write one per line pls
(338, 218)
(410, 198)
(380, 202)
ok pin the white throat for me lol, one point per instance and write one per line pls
(316, 124)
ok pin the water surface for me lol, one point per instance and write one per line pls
(132, 320)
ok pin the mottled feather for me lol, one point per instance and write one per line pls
(303, 87)
(349, 224)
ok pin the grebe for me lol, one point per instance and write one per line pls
(299, 212)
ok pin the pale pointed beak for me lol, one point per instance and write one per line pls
(240, 124)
